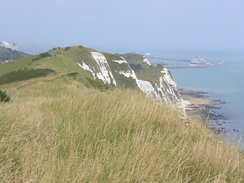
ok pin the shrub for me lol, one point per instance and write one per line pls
(98, 85)
(26, 74)
(136, 67)
(67, 48)
(41, 56)
(4, 97)
(73, 74)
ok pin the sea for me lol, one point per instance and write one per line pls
(224, 83)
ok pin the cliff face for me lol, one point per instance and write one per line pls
(117, 72)
(99, 69)
(164, 90)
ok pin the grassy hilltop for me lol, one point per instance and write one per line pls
(62, 126)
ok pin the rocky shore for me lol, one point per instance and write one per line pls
(204, 109)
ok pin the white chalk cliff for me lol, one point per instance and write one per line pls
(102, 70)
(164, 90)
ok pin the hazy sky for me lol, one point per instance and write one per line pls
(38, 25)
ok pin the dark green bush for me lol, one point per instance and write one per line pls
(41, 56)
(26, 74)
(73, 74)
(98, 85)
(4, 97)
(136, 67)
(67, 48)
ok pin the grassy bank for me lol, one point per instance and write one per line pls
(60, 131)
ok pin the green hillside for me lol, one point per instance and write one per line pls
(58, 62)
(143, 71)
(133, 58)
(9, 54)
(63, 126)
(65, 61)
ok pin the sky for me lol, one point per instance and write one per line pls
(124, 25)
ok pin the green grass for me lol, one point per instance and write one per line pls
(133, 58)
(149, 73)
(111, 57)
(15, 65)
(61, 131)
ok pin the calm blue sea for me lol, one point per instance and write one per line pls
(225, 83)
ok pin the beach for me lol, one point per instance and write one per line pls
(204, 109)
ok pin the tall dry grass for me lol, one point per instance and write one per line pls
(64, 132)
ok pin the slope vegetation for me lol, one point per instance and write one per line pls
(61, 131)
(142, 69)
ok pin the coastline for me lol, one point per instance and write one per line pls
(197, 104)
(204, 109)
